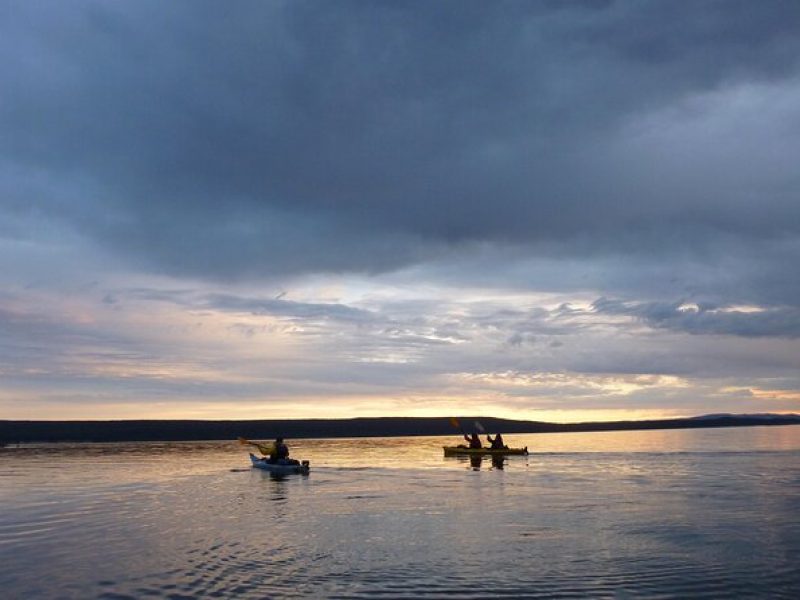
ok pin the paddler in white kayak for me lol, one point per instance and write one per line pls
(280, 453)
(275, 457)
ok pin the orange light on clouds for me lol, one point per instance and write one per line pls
(594, 384)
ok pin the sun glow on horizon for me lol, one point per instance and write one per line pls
(225, 354)
(99, 408)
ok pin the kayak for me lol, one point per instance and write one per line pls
(279, 467)
(465, 451)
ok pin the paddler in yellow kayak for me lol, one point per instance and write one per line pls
(496, 443)
(474, 440)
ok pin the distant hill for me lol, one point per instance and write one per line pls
(130, 431)
(757, 416)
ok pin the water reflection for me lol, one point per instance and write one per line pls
(278, 487)
(478, 461)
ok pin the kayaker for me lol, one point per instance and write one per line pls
(474, 440)
(280, 451)
(496, 443)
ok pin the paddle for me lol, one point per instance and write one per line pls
(454, 422)
(265, 449)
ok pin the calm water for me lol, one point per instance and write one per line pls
(658, 514)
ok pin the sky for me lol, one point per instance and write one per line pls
(557, 211)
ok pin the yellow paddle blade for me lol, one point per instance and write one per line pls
(263, 448)
(454, 422)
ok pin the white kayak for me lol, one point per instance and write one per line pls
(280, 466)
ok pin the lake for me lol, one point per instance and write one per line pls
(708, 513)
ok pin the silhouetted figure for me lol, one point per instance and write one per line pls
(280, 452)
(497, 442)
(474, 440)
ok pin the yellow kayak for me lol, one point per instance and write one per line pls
(467, 451)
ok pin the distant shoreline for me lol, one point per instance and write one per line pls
(12, 432)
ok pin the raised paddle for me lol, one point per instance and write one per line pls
(454, 422)
(265, 449)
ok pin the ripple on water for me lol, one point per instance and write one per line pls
(565, 525)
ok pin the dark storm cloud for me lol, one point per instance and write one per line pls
(232, 140)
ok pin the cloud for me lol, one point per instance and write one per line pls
(182, 345)
(294, 200)
(257, 140)
(715, 320)
(287, 308)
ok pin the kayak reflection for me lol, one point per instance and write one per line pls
(476, 461)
